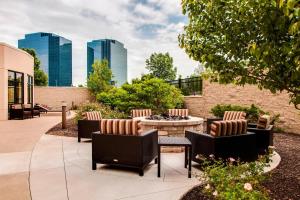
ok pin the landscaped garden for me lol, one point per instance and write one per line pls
(241, 150)
(250, 42)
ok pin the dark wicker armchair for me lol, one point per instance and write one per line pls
(226, 139)
(120, 143)
(20, 111)
(90, 124)
(264, 133)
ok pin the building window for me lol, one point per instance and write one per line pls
(29, 89)
(15, 87)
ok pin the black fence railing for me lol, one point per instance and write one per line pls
(189, 86)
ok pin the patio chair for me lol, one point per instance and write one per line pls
(20, 111)
(41, 108)
(264, 133)
(89, 124)
(228, 115)
(226, 139)
(141, 113)
(179, 112)
(120, 142)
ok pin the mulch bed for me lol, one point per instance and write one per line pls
(70, 131)
(283, 184)
(284, 181)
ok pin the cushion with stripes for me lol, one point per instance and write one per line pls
(93, 115)
(179, 112)
(141, 112)
(263, 121)
(120, 127)
(228, 127)
(233, 115)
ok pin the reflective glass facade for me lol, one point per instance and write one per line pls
(114, 52)
(55, 54)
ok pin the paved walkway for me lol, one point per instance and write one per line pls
(18, 138)
(45, 167)
(38, 166)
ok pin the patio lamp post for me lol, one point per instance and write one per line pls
(64, 115)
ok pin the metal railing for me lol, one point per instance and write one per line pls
(189, 86)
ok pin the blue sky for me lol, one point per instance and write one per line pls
(144, 26)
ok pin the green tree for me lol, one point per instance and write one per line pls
(100, 79)
(40, 77)
(246, 42)
(161, 66)
(151, 93)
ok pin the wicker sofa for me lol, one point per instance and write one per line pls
(88, 125)
(226, 139)
(121, 143)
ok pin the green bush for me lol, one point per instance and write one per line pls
(106, 111)
(253, 112)
(151, 93)
(235, 180)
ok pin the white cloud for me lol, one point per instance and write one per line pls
(82, 21)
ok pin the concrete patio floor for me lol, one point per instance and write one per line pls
(38, 166)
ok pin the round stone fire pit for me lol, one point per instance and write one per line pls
(171, 127)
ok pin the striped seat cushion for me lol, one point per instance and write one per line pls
(93, 115)
(233, 115)
(141, 113)
(179, 112)
(263, 122)
(228, 127)
(120, 127)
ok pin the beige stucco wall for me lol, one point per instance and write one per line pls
(214, 93)
(17, 60)
(54, 96)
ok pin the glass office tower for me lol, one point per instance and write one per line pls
(114, 52)
(55, 54)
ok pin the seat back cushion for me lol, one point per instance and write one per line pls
(93, 115)
(16, 106)
(263, 121)
(228, 127)
(120, 127)
(141, 113)
(234, 115)
(27, 106)
(179, 112)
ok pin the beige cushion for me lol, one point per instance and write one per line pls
(179, 112)
(93, 115)
(16, 106)
(141, 113)
(263, 121)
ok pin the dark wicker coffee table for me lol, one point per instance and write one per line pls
(176, 141)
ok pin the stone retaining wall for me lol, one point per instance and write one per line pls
(214, 93)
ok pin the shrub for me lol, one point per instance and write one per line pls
(151, 93)
(253, 112)
(106, 111)
(235, 180)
